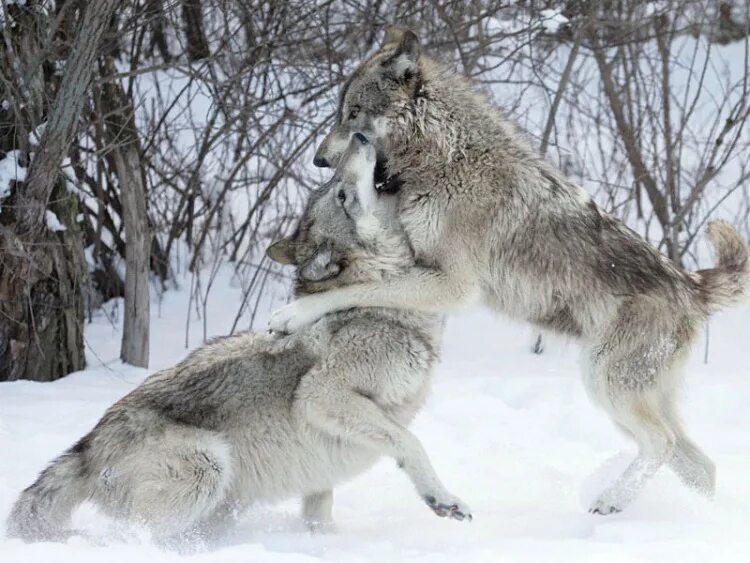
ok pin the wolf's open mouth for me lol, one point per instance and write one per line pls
(381, 170)
(385, 183)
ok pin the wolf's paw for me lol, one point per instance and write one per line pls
(605, 505)
(449, 507)
(320, 526)
(280, 318)
(296, 315)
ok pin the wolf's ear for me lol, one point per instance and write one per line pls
(321, 266)
(403, 61)
(282, 251)
(393, 36)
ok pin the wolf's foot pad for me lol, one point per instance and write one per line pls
(454, 509)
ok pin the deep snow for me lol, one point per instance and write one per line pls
(511, 433)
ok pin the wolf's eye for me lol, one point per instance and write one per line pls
(354, 112)
(342, 196)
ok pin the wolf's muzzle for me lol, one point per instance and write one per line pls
(321, 162)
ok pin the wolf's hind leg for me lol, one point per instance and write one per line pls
(634, 374)
(639, 415)
(182, 483)
(626, 377)
(642, 415)
(317, 511)
(694, 468)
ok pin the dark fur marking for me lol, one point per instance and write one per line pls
(561, 320)
(79, 450)
(178, 403)
(365, 394)
(420, 198)
(381, 171)
(595, 214)
(556, 187)
(82, 445)
(391, 185)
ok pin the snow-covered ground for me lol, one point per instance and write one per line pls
(512, 433)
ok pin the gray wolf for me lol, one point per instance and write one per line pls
(257, 417)
(491, 221)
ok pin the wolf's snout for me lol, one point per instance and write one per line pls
(361, 138)
(321, 161)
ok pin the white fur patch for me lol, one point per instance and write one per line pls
(582, 196)
(381, 127)
(336, 147)
(369, 227)
(368, 197)
(404, 63)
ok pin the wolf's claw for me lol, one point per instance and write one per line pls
(604, 506)
(455, 510)
(604, 510)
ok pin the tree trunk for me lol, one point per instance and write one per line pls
(41, 309)
(126, 153)
(63, 117)
(135, 336)
(42, 266)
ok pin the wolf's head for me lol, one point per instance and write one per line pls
(348, 232)
(376, 96)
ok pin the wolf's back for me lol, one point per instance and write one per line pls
(43, 510)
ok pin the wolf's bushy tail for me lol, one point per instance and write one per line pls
(43, 510)
(728, 283)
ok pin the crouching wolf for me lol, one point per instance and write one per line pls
(256, 417)
(491, 221)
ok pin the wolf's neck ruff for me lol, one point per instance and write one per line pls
(430, 128)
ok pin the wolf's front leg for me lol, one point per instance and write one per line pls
(317, 511)
(420, 289)
(353, 417)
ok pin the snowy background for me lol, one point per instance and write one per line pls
(510, 432)
(227, 136)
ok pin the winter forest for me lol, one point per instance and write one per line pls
(152, 150)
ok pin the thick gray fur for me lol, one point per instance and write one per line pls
(258, 417)
(492, 222)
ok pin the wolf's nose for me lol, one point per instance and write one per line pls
(321, 162)
(361, 138)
